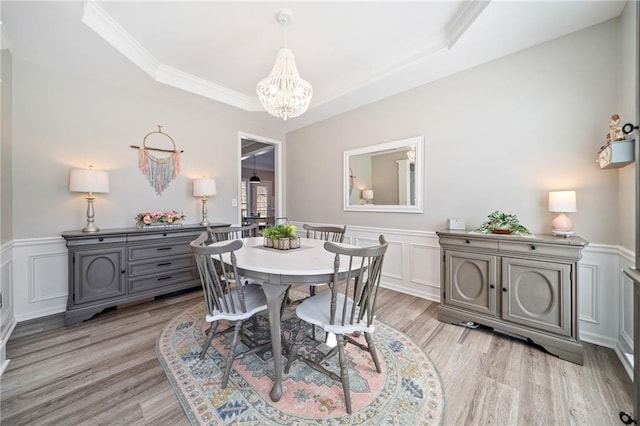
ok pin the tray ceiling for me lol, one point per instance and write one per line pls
(352, 53)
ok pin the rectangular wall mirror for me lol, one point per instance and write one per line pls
(386, 177)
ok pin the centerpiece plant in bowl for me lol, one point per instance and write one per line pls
(502, 223)
(281, 236)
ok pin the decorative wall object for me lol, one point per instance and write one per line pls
(159, 171)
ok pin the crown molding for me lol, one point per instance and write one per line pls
(113, 33)
(96, 18)
(462, 20)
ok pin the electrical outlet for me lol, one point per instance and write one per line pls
(234, 202)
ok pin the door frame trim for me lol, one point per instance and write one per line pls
(278, 172)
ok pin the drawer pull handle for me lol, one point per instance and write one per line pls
(467, 241)
(533, 247)
(164, 248)
(101, 239)
(164, 264)
(504, 289)
(164, 235)
(164, 278)
(123, 271)
(492, 286)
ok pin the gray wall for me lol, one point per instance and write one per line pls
(627, 105)
(62, 121)
(6, 191)
(497, 137)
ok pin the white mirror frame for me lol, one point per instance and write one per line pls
(418, 141)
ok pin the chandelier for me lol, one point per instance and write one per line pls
(283, 93)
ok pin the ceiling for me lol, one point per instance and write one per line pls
(352, 53)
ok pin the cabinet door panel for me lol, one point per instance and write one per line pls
(100, 274)
(538, 294)
(470, 281)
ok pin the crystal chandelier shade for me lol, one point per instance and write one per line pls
(283, 93)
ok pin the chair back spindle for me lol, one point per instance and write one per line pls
(326, 232)
(233, 232)
(221, 290)
(360, 285)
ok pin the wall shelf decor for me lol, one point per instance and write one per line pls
(616, 154)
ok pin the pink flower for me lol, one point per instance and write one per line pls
(146, 219)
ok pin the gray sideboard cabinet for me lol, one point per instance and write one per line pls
(117, 266)
(522, 285)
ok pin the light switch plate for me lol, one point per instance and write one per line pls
(456, 223)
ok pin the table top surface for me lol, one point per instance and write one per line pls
(310, 259)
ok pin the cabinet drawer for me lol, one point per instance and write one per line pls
(163, 280)
(538, 249)
(469, 242)
(159, 236)
(97, 241)
(161, 265)
(160, 250)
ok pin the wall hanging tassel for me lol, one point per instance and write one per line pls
(159, 171)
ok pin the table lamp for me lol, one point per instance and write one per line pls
(367, 195)
(89, 181)
(562, 202)
(204, 187)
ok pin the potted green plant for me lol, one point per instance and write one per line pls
(502, 223)
(281, 236)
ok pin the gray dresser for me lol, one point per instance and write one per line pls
(522, 285)
(117, 266)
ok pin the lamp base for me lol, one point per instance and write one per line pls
(205, 221)
(91, 226)
(565, 234)
(562, 225)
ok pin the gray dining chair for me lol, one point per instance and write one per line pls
(331, 233)
(233, 232)
(348, 308)
(226, 298)
(325, 232)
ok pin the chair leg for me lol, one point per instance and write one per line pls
(232, 353)
(344, 372)
(293, 351)
(372, 351)
(210, 334)
(312, 292)
(285, 302)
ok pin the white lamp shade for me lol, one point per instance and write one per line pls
(88, 180)
(562, 201)
(367, 194)
(203, 187)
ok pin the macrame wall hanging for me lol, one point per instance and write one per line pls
(160, 171)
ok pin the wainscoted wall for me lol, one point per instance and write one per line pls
(36, 270)
(7, 319)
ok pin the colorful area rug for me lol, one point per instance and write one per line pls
(407, 392)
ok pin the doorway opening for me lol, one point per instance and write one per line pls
(260, 180)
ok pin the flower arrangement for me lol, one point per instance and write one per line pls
(502, 223)
(159, 219)
(281, 236)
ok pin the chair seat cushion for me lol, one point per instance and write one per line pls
(315, 310)
(254, 299)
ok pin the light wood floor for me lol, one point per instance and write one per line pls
(105, 371)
